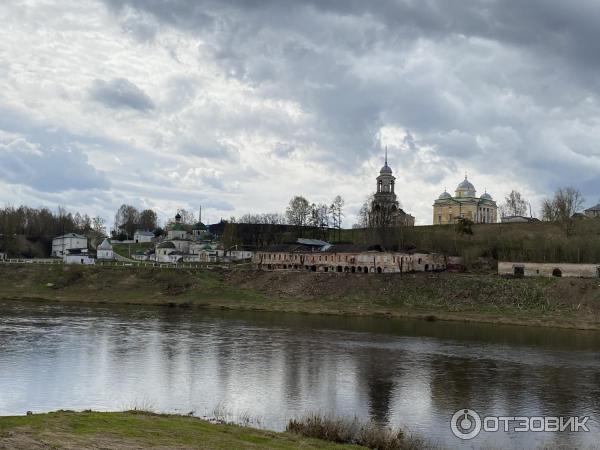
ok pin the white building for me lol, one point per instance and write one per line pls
(2, 256)
(177, 230)
(105, 251)
(142, 236)
(166, 252)
(78, 256)
(238, 255)
(69, 241)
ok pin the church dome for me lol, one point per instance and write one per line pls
(465, 189)
(486, 196)
(444, 195)
(465, 185)
(387, 170)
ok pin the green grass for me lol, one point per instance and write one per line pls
(120, 430)
(572, 303)
(124, 249)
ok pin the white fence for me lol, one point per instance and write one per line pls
(31, 261)
(130, 263)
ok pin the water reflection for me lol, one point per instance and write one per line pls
(276, 366)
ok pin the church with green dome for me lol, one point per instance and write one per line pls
(464, 204)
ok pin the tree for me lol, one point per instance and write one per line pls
(566, 202)
(298, 211)
(98, 226)
(464, 226)
(187, 217)
(336, 213)
(148, 220)
(127, 219)
(319, 218)
(514, 205)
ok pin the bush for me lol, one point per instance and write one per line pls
(353, 431)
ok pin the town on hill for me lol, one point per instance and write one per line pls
(468, 231)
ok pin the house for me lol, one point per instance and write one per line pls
(238, 255)
(68, 241)
(142, 236)
(534, 269)
(594, 211)
(167, 252)
(78, 256)
(105, 251)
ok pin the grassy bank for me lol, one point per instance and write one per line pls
(570, 303)
(136, 430)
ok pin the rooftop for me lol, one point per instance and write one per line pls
(594, 208)
(144, 233)
(71, 235)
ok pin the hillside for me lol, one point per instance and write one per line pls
(540, 241)
(485, 298)
(139, 430)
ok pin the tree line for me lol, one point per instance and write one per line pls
(301, 218)
(41, 225)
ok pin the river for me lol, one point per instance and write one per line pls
(273, 367)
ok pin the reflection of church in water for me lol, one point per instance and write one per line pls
(385, 209)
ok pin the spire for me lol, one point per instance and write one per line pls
(386, 155)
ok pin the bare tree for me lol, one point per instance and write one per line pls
(262, 219)
(99, 226)
(126, 219)
(514, 205)
(187, 217)
(336, 211)
(319, 218)
(148, 220)
(566, 202)
(298, 211)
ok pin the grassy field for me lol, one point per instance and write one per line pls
(564, 302)
(138, 430)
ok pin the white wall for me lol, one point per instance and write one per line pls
(546, 269)
(105, 254)
(60, 244)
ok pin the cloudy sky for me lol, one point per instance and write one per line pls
(237, 105)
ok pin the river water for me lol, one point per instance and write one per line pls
(273, 367)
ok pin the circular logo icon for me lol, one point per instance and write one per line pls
(465, 424)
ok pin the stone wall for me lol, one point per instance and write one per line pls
(529, 269)
(363, 262)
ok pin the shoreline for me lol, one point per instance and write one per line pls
(142, 429)
(426, 316)
(468, 298)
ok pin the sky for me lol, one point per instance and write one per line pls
(238, 105)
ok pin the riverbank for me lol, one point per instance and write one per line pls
(139, 430)
(566, 303)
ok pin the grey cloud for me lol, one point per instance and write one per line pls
(502, 86)
(120, 93)
(486, 66)
(47, 169)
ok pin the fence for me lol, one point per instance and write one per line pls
(193, 266)
(31, 261)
